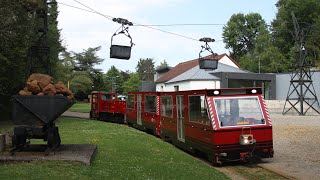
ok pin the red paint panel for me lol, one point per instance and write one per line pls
(232, 137)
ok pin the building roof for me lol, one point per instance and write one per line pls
(183, 67)
(196, 73)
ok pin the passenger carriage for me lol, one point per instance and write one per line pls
(106, 106)
(143, 111)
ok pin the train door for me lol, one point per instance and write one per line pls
(94, 105)
(180, 118)
(94, 102)
(139, 109)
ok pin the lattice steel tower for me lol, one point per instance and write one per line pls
(301, 95)
(39, 52)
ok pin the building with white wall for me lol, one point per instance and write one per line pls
(188, 76)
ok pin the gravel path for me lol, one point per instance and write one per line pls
(296, 145)
(76, 114)
(296, 141)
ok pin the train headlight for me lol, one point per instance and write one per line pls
(246, 139)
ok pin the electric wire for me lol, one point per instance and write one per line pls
(150, 26)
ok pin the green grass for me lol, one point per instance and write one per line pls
(123, 153)
(80, 107)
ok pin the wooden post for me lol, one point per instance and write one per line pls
(2, 142)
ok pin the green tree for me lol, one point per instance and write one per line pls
(265, 57)
(81, 84)
(86, 61)
(54, 38)
(163, 64)
(307, 13)
(113, 80)
(145, 69)
(16, 36)
(132, 84)
(241, 32)
(64, 68)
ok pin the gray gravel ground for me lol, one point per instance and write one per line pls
(296, 141)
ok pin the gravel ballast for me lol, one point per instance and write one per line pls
(296, 141)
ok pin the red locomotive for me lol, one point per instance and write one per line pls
(223, 124)
(106, 106)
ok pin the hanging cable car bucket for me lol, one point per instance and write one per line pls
(120, 52)
(206, 63)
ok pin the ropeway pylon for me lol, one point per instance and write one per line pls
(301, 95)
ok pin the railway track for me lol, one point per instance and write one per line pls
(244, 171)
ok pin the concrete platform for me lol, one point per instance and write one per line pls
(83, 153)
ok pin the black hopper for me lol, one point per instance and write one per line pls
(120, 51)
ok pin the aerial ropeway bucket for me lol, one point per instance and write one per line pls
(121, 51)
(205, 62)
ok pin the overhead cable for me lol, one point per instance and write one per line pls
(146, 26)
(181, 24)
(76, 7)
(107, 16)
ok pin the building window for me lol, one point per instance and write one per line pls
(161, 88)
(198, 110)
(166, 106)
(150, 103)
(176, 88)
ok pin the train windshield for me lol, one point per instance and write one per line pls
(239, 111)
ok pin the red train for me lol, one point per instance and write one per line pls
(223, 124)
(106, 106)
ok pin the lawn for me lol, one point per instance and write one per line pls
(80, 107)
(123, 153)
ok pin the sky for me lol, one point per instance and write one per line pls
(81, 29)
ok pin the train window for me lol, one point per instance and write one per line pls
(239, 111)
(106, 97)
(130, 101)
(198, 110)
(150, 103)
(166, 106)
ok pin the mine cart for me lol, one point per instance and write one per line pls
(34, 118)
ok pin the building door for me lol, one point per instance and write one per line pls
(180, 118)
(139, 109)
